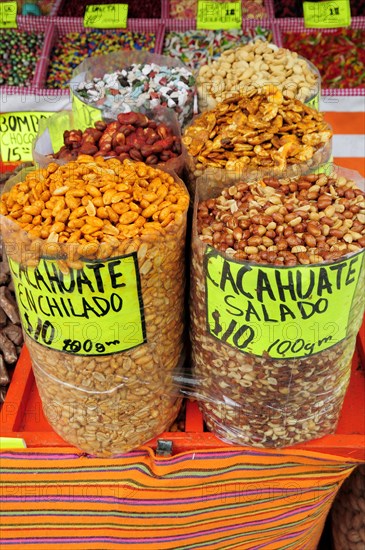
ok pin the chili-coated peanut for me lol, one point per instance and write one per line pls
(259, 400)
(107, 404)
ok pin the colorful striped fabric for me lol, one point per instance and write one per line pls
(216, 499)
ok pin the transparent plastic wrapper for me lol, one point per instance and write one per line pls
(103, 321)
(92, 80)
(254, 65)
(272, 341)
(49, 140)
(348, 513)
(254, 135)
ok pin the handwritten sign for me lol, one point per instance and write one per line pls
(17, 132)
(286, 313)
(106, 16)
(218, 16)
(327, 15)
(8, 11)
(96, 310)
(84, 115)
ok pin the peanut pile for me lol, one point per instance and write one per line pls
(308, 220)
(258, 130)
(133, 136)
(97, 209)
(261, 400)
(255, 65)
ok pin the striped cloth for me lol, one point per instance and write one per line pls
(216, 499)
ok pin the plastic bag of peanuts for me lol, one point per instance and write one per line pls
(96, 252)
(277, 299)
(256, 134)
(348, 513)
(152, 137)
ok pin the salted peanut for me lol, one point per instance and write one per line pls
(251, 66)
(106, 404)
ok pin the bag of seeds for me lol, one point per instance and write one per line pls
(348, 513)
(150, 136)
(126, 81)
(277, 299)
(96, 251)
(254, 135)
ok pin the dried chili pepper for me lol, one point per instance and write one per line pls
(339, 56)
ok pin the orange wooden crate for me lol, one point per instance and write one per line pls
(22, 416)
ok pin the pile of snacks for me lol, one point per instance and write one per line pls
(259, 130)
(268, 399)
(143, 85)
(19, 53)
(91, 210)
(197, 47)
(71, 49)
(147, 8)
(256, 64)
(187, 9)
(339, 56)
(348, 513)
(133, 136)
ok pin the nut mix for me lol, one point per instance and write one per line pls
(348, 513)
(262, 400)
(96, 209)
(133, 136)
(254, 65)
(259, 131)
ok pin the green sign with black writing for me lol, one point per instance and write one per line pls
(96, 310)
(286, 312)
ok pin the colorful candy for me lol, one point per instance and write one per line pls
(145, 9)
(71, 49)
(197, 47)
(186, 9)
(339, 56)
(144, 85)
(19, 53)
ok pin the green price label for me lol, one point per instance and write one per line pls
(17, 132)
(106, 16)
(327, 15)
(96, 310)
(8, 11)
(218, 16)
(84, 115)
(286, 313)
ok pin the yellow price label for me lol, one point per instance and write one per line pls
(85, 116)
(95, 310)
(327, 15)
(286, 312)
(17, 132)
(12, 443)
(218, 16)
(8, 11)
(106, 16)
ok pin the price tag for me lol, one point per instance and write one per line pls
(106, 16)
(327, 15)
(8, 12)
(96, 310)
(286, 312)
(218, 16)
(84, 115)
(12, 443)
(17, 132)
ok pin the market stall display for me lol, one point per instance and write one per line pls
(339, 56)
(19, 53)
(187, 9)
(258, 251)
(254, 65)
(147, 8)
(99, 217)
(197, 47)
(74, 47)
(288, 8)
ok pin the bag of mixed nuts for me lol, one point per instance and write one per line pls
(96, 251)
(277, 298)
(348, 513)
(150, 136)
(256, 134)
